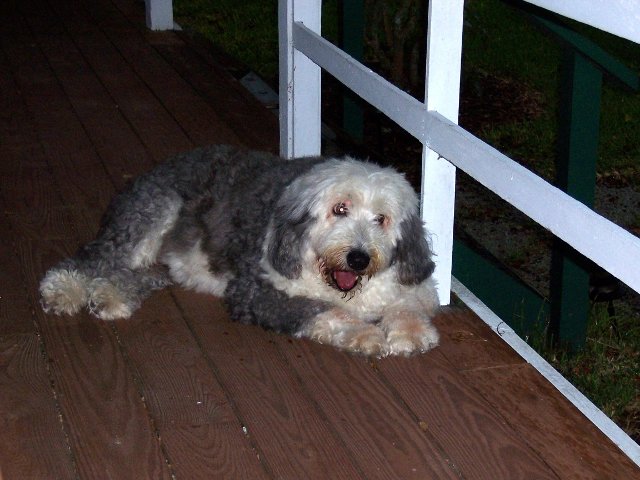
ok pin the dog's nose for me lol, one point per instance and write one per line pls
(357, 259)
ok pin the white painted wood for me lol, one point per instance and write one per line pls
(159, 14)
(442, 92)
(299, 82)
(610, 246)
(582, 403)
(389, 99)
(620, 17)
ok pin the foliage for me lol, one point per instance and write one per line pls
(607, 370)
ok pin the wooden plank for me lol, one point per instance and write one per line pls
(550, 424)
(104, 408)
(15, 312)
(109, 430)
(32, 443)
(289, 434)
(490, 447)
(115, 143)
(254, 124)
(77, 169)
(383, 437)
(469, 344)
(186, 106)
(199, 429)
(156, 128)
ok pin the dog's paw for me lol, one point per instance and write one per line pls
(107, 302)
(366, 340)
(338, 328)
(409, 335)
(63, 292)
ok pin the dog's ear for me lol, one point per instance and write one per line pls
(413, 255)
(284, 249)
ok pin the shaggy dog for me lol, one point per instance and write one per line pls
(327, 249)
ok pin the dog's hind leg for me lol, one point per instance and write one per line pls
(108, 293)
(119, 295)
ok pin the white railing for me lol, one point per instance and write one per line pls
(303, 52)
(159, 14)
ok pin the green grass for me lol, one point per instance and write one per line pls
(499, 39)
(247, 29)
(607, 370)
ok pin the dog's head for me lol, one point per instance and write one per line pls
(347, 220)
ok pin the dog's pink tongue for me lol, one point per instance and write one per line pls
(345, 280)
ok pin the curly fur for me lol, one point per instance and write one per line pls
(328, 249)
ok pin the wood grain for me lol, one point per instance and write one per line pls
(32, 441)
(154, 125)
(490, 448)
(187, 404)
(291, 436)
(550, 424)
(109, 430)
(383, 436)
(187, 107)
(469, 343)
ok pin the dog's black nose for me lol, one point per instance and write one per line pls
(357, 259)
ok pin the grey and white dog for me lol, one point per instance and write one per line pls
(324, 248)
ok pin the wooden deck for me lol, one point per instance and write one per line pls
(88, 99)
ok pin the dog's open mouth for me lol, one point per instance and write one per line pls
(345, 280)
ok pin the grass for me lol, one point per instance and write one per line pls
(607, 370)
(499, 40)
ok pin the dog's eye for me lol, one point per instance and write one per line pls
(379, 219)
(340, 209)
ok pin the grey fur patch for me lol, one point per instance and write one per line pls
(413, 255)
(284, 247)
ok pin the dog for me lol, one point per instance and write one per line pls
(322, 248)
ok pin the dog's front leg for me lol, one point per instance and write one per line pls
(408, 330)
(342, 330)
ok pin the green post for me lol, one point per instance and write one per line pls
(581, 86)
(352, 40)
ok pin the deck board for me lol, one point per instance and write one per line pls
(91, 99)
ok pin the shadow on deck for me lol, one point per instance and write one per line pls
(89, 98)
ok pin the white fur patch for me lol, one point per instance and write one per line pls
(191, 270)
(64, 291)
(146, 251)
(357, 207)
(107, 302)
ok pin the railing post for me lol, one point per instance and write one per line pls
(576, 175)
(159, 14)
(442, 91)
(299, 82)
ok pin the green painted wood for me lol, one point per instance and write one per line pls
(582, 45)
(581, 87)
(352, 39)
(521, 307)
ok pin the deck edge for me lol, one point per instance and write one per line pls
(596, 416)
